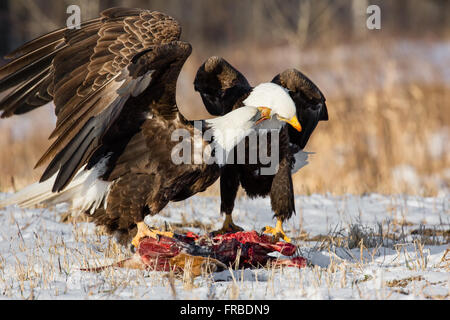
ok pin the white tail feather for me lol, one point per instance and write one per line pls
(85, 193)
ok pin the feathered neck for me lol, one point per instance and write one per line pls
(232, 128)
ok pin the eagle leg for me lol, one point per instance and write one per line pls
(144, 231)
(228, 226)
(277, 232)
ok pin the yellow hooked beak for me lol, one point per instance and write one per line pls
(293, 122)
(266, 114)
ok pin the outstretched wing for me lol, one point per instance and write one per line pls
(310, 103)
(105, 80)
(221, 86)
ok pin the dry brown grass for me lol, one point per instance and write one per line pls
(368, 137)
(42, 260)
(373, 129)
(21, 146)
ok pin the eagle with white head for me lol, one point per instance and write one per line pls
(113, 84)
(224, 89)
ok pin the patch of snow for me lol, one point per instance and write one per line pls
(40, 257)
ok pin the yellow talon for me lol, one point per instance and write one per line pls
(277, 232)
(144, 232)
(228, 226)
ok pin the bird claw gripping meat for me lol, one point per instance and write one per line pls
(206, 253)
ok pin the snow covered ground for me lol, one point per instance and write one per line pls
(370, 247)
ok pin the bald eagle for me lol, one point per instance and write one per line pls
(113, 85)
(224, 89)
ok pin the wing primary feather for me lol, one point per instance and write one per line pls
(67, 170)
(12, 103)
(68, 161)
(50, 37)
(64, 137)
(27, 72)
(24, 60)
(79, 111)
(36, 44)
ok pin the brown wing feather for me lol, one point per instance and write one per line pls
(309, 101)
(32, 68)
(221, 86)
(128, 58)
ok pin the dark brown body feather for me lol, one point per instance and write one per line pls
(279, 186)
(225, 90)
(113, 83)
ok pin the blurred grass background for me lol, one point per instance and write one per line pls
(388, 90)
